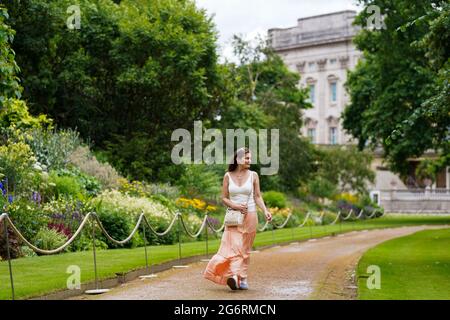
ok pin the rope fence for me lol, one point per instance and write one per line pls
(142, 221)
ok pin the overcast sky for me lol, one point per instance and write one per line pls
(250, 17)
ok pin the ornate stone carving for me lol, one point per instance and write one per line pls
(332, 78)
(333, 121)
(310, 80)
(301, 66)
(344, 61)
(321, 63)
(311, 123)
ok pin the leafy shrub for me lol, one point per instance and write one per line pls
(294, 221)
(64, 214)
(65, 186)
(164, 189)
(49, 239)
(61, 228)
(328, 217)
(143, 189)
(280, 215)
(302, 192)
(167, 202)
(14, 115)
(14, 244)
(82, 158)
(89, 184)
(119, 226)
(300, 211)
(345, 207)
(193, 224)
(277, 220)
(346, 167)
(157, 214)
(275, 199)
(152, 239)
(322, 188)
(27, 252)
(27, 217)
(200, 181)
(273, 182)
(134, 188)
(53, 148)
(16, 165)
(84, 242)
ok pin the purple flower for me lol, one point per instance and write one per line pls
(76, 215)
(10, 199)
(2, 187)
(57, 216)
(215, 222)
(37, 197)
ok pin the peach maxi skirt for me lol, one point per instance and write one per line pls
(233, 256)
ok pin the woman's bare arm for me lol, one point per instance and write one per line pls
(258, 198)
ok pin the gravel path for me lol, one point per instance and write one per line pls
(320, 269)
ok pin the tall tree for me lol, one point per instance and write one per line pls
(135, 71)
(395, 100)
(9, 81)
(269, 94)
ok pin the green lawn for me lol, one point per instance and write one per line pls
(44, 274)
(415, 267)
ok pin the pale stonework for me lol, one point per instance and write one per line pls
(320, 48)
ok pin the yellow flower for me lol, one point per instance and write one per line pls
(348, 197)
(199, 204)
(196, 204)
(281, 212)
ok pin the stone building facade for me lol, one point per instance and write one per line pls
(321, 50)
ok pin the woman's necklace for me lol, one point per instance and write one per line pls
(239, 176)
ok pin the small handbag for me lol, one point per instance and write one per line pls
(234, 218)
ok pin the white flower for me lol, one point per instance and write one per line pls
(134, 205)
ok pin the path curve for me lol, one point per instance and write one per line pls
(320, 269)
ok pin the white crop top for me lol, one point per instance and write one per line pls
(240, 194)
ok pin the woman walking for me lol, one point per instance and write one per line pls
(241, 192)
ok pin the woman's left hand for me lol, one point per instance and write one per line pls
(268, 215)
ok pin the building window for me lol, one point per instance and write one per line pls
(333, 135)
(333, 61)
(312, 66)
(312, 135)
(333, 91)
(375, 196)
(312, 93)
